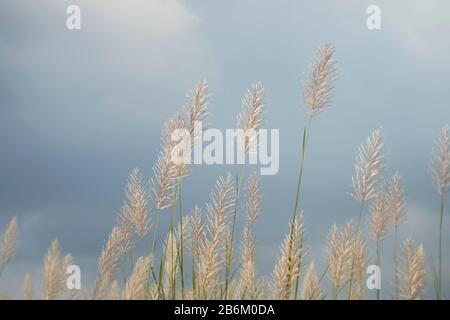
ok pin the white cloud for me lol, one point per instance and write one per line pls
(162, 16)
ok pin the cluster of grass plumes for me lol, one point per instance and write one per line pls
(222, 266)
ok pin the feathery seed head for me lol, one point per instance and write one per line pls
(253, 198)
(135, 285)
(340, 253)
(381, 213)
(398, 205)
(54, 272)
(369, 163)
(212, 245)
(27, 292)
(197, 108)
(251, 117)
(126, 241)
(107, 264)
(440, 169)
(318, 87)
(8, 244)
(196, 233)
(135, 210)
(114, 293)
(163, 180)
(412, 272)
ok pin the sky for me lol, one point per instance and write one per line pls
(79, 109)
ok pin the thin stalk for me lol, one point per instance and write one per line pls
(358, 226)
(174, 279)
(322, 276)
(396, 262)
(434, 273)
(153, 247)
(230, 245)
(172, 229)
(155, 234)
(160, 276)
(297, 196)
(147, 288)
(337, 289)
(441, 223)
(378, 263)
(302, 163)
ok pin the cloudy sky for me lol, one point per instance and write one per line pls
(80, 109)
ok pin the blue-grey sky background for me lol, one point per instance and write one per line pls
(80, 109)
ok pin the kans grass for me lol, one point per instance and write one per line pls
(220, 266)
